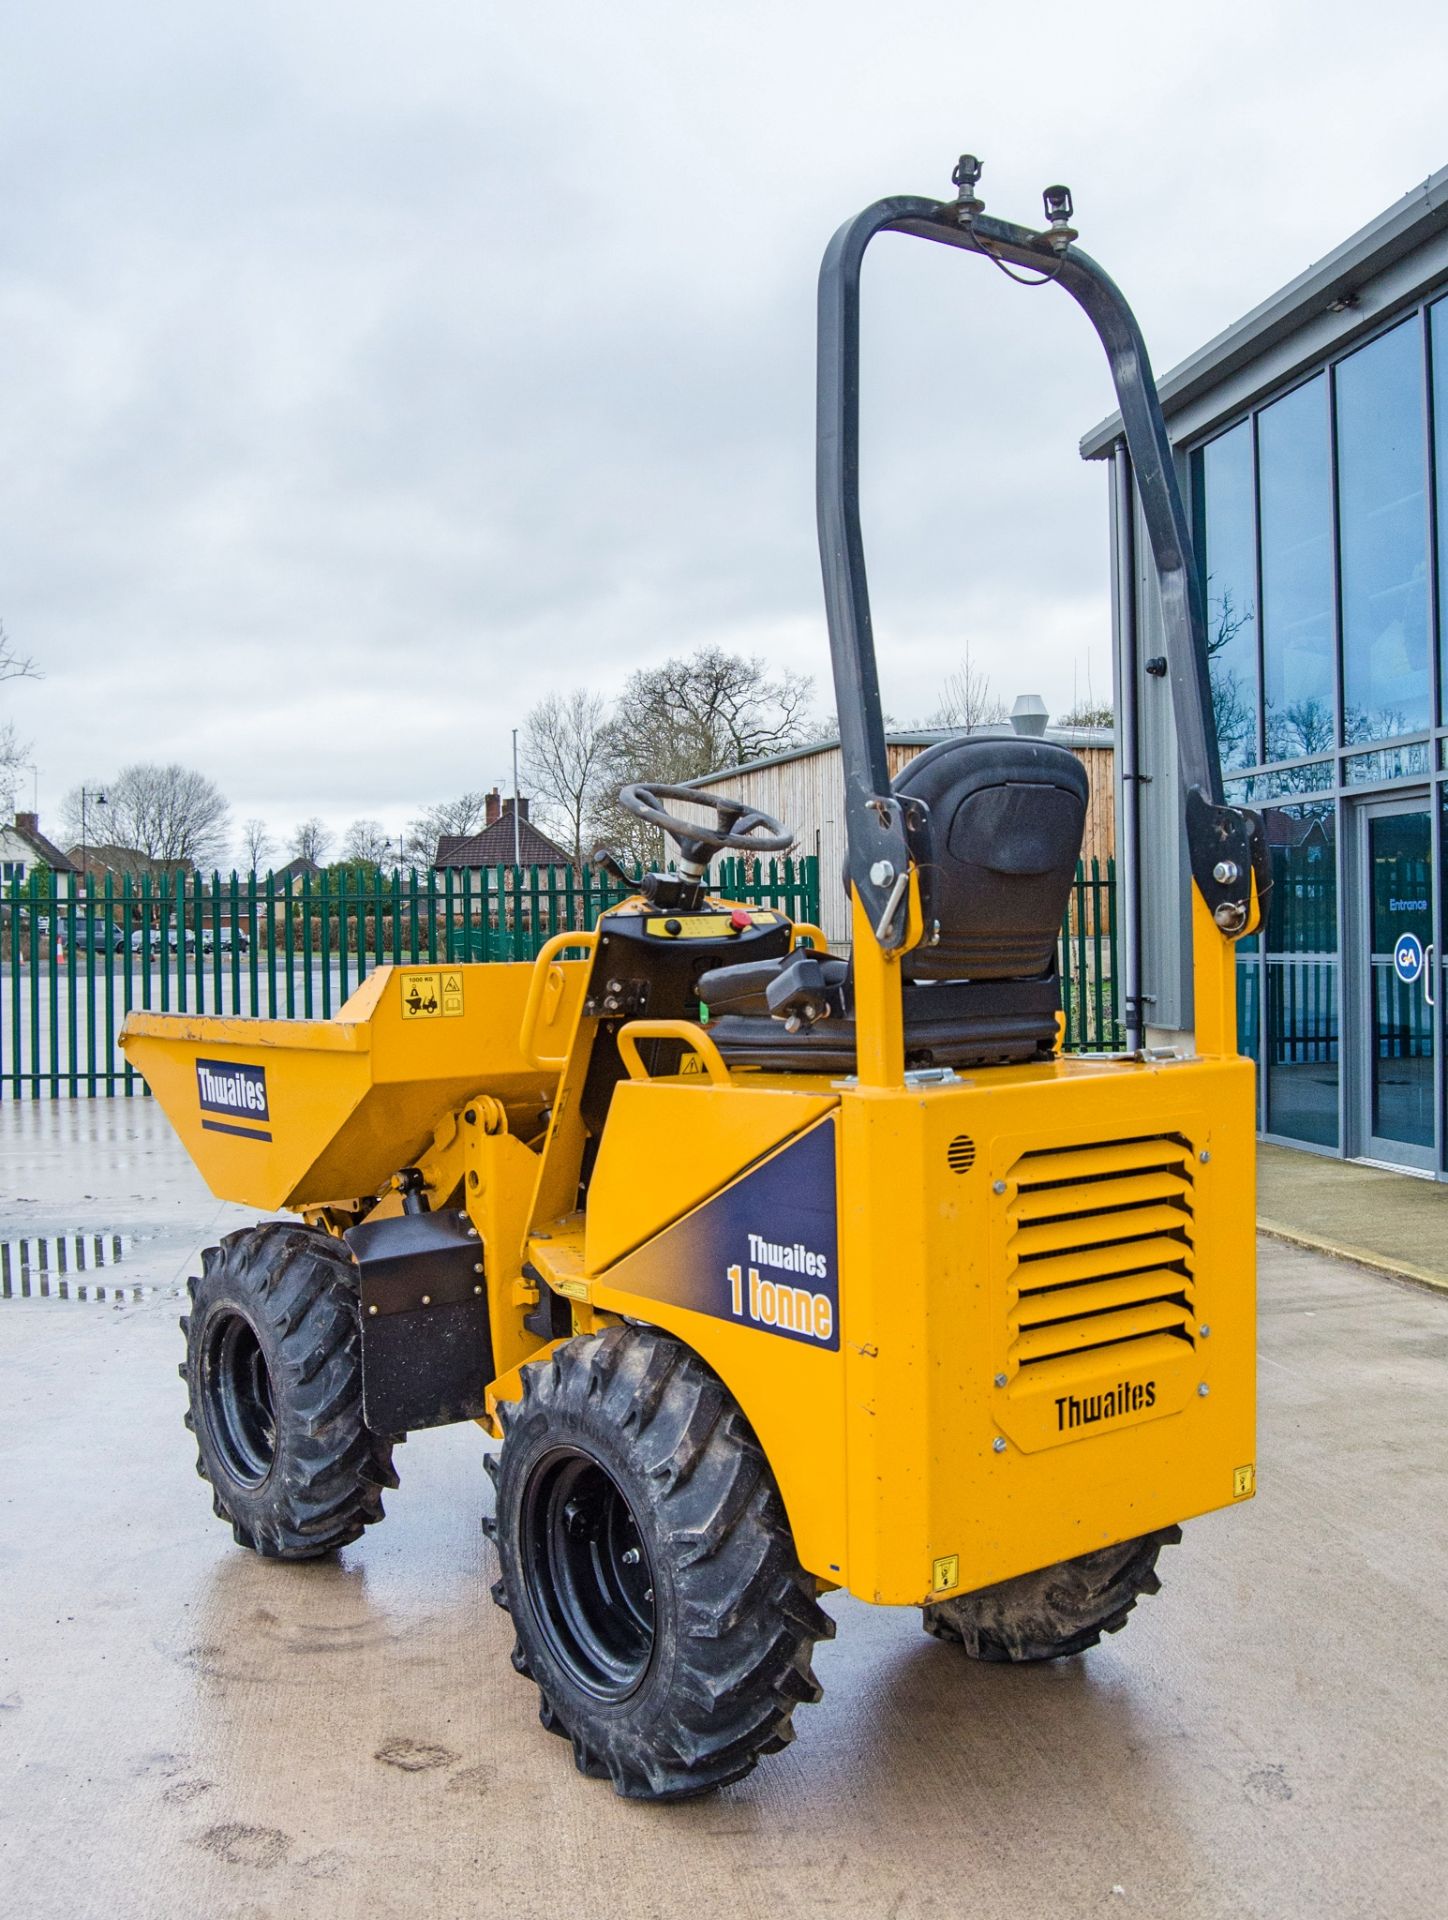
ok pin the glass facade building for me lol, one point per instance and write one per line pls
(1313, 439)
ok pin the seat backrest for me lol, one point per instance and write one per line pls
(997, 857)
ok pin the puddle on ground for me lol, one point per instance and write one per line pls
(66, 1266)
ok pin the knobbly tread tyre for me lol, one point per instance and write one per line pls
(1061, 1610)
(296, 1288)
(735, 1616)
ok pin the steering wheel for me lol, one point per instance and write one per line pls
(740, 829)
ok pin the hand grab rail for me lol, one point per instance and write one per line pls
(692, 1036)
(542, 970)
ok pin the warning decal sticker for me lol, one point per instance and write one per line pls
(432, 996)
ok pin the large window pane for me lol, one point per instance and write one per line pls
(1439, 319)
(1384, 534)
(1302, 973)
(1227, 546)
(1297, 622)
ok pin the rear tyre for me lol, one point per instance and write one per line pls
(1061, 1610)
(274, 1371)
(649, 1567)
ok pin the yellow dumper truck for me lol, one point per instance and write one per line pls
(775, 1271)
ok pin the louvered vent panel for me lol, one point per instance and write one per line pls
(1101, 1249)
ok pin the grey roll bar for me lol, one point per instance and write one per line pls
(1223, 840)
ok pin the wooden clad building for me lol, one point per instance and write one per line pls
(805, 788)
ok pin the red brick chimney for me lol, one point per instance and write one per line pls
(490, 802)
(27, 822)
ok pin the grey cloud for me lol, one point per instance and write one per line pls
(373, 372)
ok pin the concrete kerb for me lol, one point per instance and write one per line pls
(1355, 1256)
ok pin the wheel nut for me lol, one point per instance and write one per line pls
(1000, 1379)
(372, 1308)
(998, 1445)
(630, 1556)
(1203, 1390)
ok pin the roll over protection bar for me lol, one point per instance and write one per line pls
(1227, 846)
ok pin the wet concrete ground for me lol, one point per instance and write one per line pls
(186, 1730)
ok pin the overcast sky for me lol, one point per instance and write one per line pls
(369, 371)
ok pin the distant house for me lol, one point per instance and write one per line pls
(288, 879)
(496, 844)
(123, 863)
(24, 850)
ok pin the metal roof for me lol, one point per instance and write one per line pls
(1418, 217)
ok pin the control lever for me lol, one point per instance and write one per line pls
(608, 863)
(799, 993)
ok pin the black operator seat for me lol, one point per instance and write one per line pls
(997, 849)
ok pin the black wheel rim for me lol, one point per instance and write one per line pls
(590, 1582)
(237, 1399)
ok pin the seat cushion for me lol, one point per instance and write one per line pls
(955, 1025)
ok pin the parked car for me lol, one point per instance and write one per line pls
(227, 938)
(99, 936)
(148, 940)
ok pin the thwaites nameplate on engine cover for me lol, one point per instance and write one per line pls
(763, 1253)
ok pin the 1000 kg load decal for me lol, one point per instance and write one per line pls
(763, 1253)
(431, 996)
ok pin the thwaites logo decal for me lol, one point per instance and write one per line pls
(764, 1253)
(233, 1099)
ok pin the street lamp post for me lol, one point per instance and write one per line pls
(100, 801)
(517, 829)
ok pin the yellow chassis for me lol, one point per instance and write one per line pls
(935, 1420)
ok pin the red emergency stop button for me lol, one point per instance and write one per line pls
(739, 920)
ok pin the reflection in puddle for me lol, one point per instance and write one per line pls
(59, 1267)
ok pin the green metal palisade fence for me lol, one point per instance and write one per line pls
(1087, 961)
(72, 965)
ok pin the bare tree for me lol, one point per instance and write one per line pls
(256, 844)
(367, 842)
(966, 700)
(466, 814)
(690, 717)
(13, 750)
(713, 710)
(1234, 703)
(565, 739)
(310, 841)
(173, 815)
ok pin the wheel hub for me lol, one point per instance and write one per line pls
(588, 1577)
(237, 1398)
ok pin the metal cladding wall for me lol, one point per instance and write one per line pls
(806, 790)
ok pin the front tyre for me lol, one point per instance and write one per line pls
(1061, 1610)
(274, 1371)
(649, 1567)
